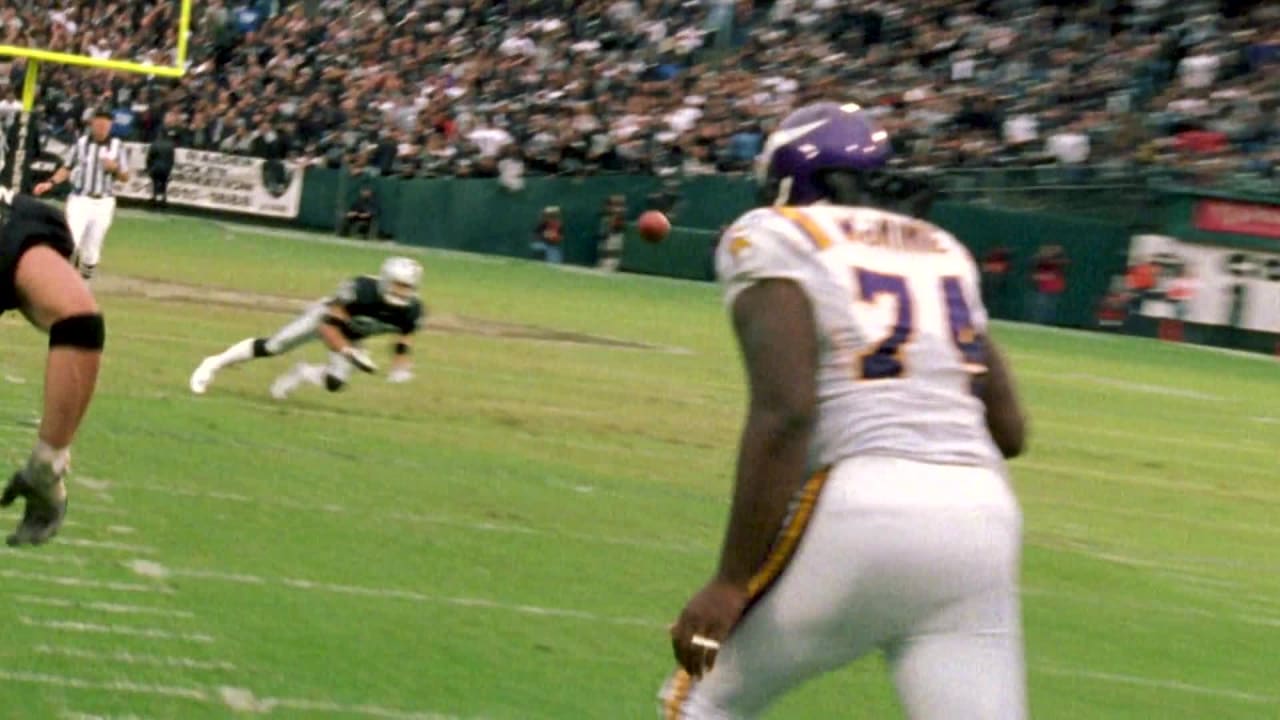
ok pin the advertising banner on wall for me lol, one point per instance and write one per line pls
(1241, 218)
(1208, 284)
(215, 181)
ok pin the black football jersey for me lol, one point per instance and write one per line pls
(370, 314)
(24, 223)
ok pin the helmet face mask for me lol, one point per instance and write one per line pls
(398, 280)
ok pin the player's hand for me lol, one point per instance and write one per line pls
(110, 165)
(399, 375)
(360, 358)
(42, 187)
(705, 623)
(41, 484)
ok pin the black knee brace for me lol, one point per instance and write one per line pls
(87, 332)
(260, 348)
(333, 383)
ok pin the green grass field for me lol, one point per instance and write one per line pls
(508, 535)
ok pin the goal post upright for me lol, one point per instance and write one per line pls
(31, 78)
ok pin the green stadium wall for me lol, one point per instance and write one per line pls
(481, 216)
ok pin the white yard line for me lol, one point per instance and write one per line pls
(126, 687)
(47, 558)
(1167, 563)
(1180, 441)
(1148, 607)
(1149, 481)
(132, 658)
(1135, 340)
(417, 518)
(1160, 684)
(469, 602)
(147, 568)
(1076, 378)
(244, 700)
(1194, 579)
(99, 606)
(108, 545)
(192, 493)
(234, 699)
(80, 715)
(1140, 455)
(1128, 512)
(87, 583)
(90, 483)
(78, 506)
(148, 633)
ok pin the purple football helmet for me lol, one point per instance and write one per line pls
(816, 138)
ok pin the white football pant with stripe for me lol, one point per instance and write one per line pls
(918, 561)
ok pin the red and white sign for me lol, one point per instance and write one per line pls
(1240, 218)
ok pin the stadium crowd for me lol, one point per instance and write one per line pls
(488, 88)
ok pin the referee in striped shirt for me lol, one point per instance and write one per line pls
(94, 164)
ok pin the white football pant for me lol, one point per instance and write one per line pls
(89, 219)
(918, 561)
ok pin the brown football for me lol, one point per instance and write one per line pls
(653, 226)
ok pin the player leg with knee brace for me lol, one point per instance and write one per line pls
(36, 277)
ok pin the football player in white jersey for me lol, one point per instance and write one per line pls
(872, 510)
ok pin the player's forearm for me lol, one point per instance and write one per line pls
(771, 469)
(1005, 420)
(59, 176)
(70, 377)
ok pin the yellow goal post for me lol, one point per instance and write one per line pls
(36, 56)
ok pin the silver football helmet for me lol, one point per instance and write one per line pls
(398, 280)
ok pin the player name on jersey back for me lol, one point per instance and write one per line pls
(899, 318)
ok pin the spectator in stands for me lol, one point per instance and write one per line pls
(511, 169)
(630, 86)
(362, 217)
(240, 142)
(1049, 277)
(613, 229)
(549, 236)
(996, 264)
(1070, 147)
(161, 154)
(10, 106)
(267, 143)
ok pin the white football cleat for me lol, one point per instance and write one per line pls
(203, 376)
(285, 384)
